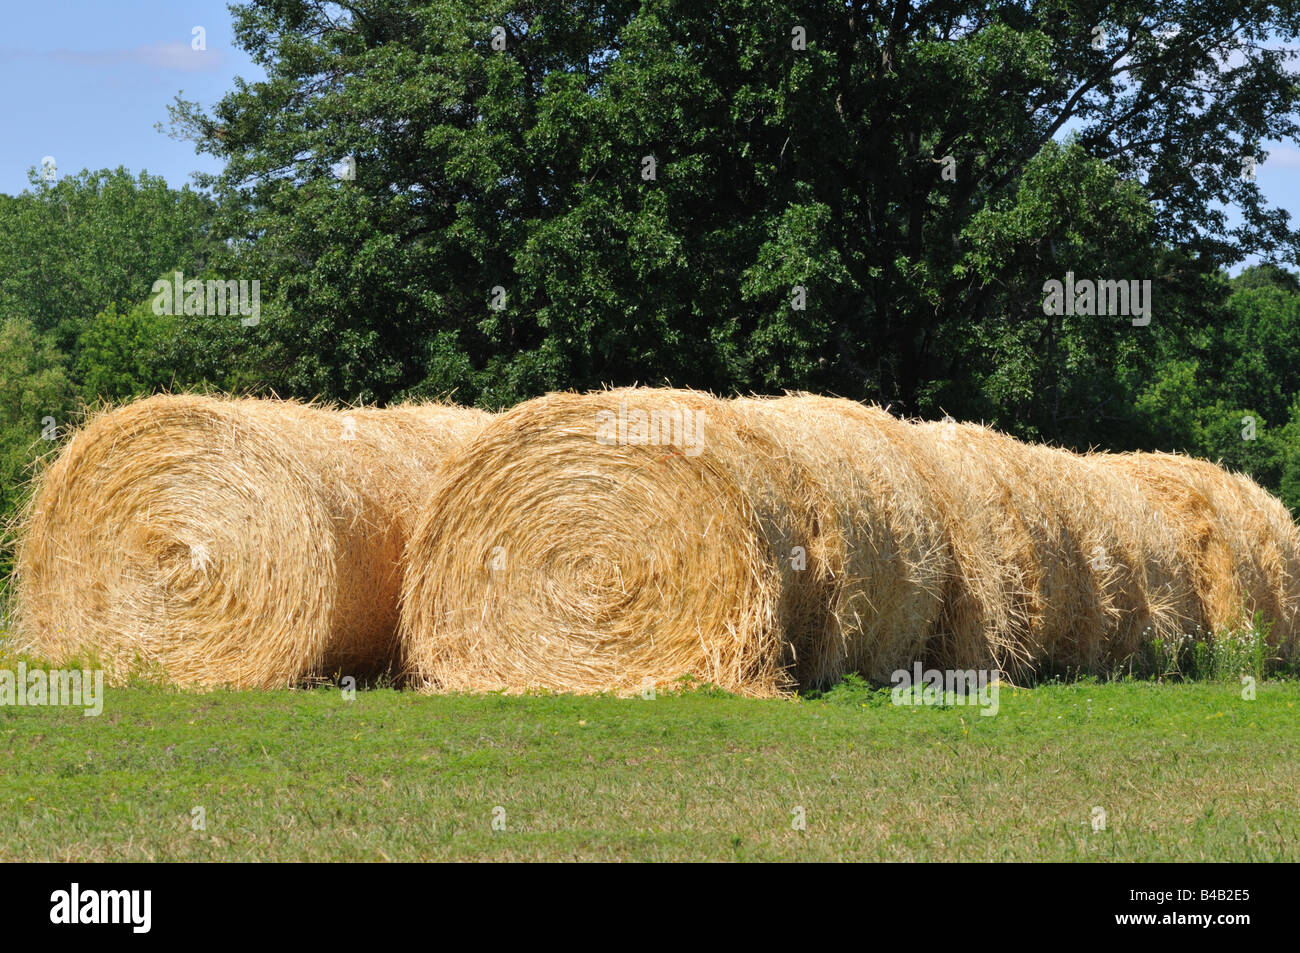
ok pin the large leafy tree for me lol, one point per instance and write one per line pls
(70, 248)
(127, 353)
(653, 185)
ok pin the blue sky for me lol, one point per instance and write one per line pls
(86, 81)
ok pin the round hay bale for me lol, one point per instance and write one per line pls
(1088, 566)
(244, 542)
(887, 554)
(608, 542)
(990, 607)
(1240, 540)
(1273, 544)
(1155, 588)
(394, 452)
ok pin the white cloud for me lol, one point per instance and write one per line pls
(1282, 156)
(172, 57)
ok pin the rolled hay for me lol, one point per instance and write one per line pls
(608, 542)
(245, 542)
(1273, 545)
(900, 578)
(1243, 547)
(1088, 566)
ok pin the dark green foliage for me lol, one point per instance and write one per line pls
(525, 168)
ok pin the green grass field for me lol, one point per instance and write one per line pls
(1183, 772)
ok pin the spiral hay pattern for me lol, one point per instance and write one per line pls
(568, 547)
(244, 542)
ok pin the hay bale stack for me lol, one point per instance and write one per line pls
(394, 454)
(1157, 593)
(1089, 566)
(570, 548)
(1241, 543)
(244, 542)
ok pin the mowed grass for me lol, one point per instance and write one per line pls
(1183, 771)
